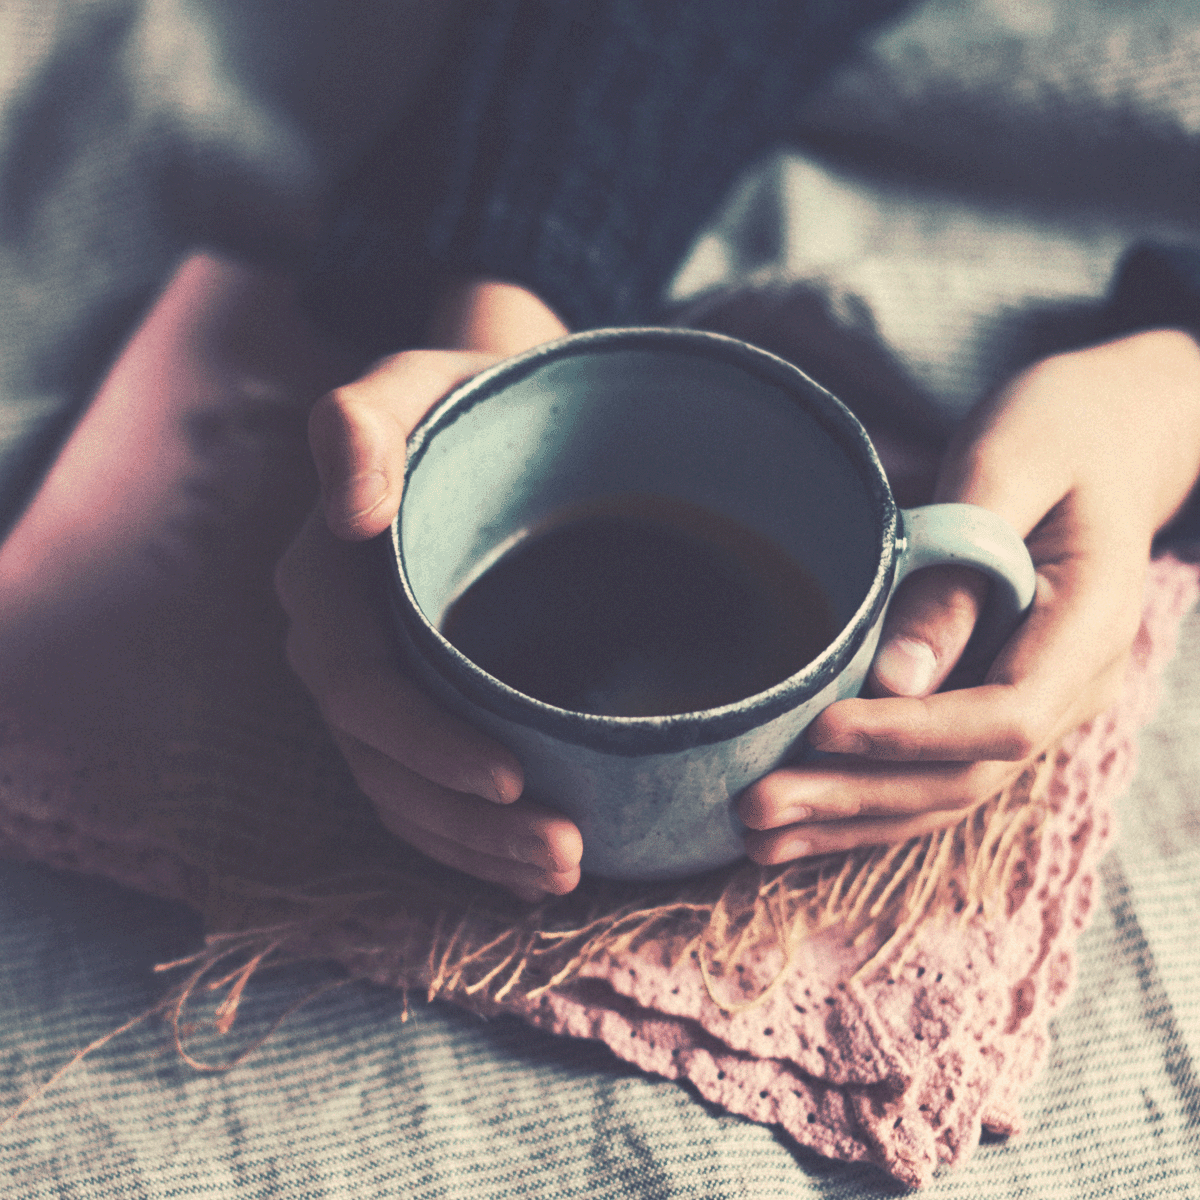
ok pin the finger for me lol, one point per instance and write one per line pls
(832, 791)
(836, 837)
(987, 722)
(522, 831)
(529, 883)
(1062, 667)
(350, 666)
(358, 434)
(379, 707)
(521, 844)
(927, 627)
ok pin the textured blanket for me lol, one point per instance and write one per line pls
(883, 1007)
(952, 205)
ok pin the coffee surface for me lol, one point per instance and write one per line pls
(641, 607)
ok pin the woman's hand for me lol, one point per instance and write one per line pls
(436, 782)
(1087, 455)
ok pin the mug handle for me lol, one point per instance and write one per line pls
(965, 535)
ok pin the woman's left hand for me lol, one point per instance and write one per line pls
(1087, 455)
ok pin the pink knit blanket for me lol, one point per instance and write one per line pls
(151, 733)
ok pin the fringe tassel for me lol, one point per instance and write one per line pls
(256, 949)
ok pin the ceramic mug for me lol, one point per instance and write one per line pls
(696, 420)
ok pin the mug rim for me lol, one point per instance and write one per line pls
(676, 731)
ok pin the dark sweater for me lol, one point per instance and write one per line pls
(575, 147)
(1156, 287)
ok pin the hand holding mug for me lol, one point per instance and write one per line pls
(1087, 454)
(643, 722)
(894, 780)
(436, 782)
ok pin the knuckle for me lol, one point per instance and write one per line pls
(328, 415)
(284, 580)
(885, 744)
(959, 602)
(339, 415)
(762, 801)
(343, 399)
(293, 651)
(754, 812)
(843, 728)
(336, 690)
(1018, 737)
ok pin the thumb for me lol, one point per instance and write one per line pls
(358, 434)
(926, 630)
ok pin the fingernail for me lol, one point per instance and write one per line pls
(528, 850)
(790, 848)
(792, 816)
(906, 667)
(506, 784)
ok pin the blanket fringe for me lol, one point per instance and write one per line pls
(460, 946)
(251, 953)
(878, 896)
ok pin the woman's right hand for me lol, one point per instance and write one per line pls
(438, 783)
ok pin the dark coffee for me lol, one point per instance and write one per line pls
(641, 607)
